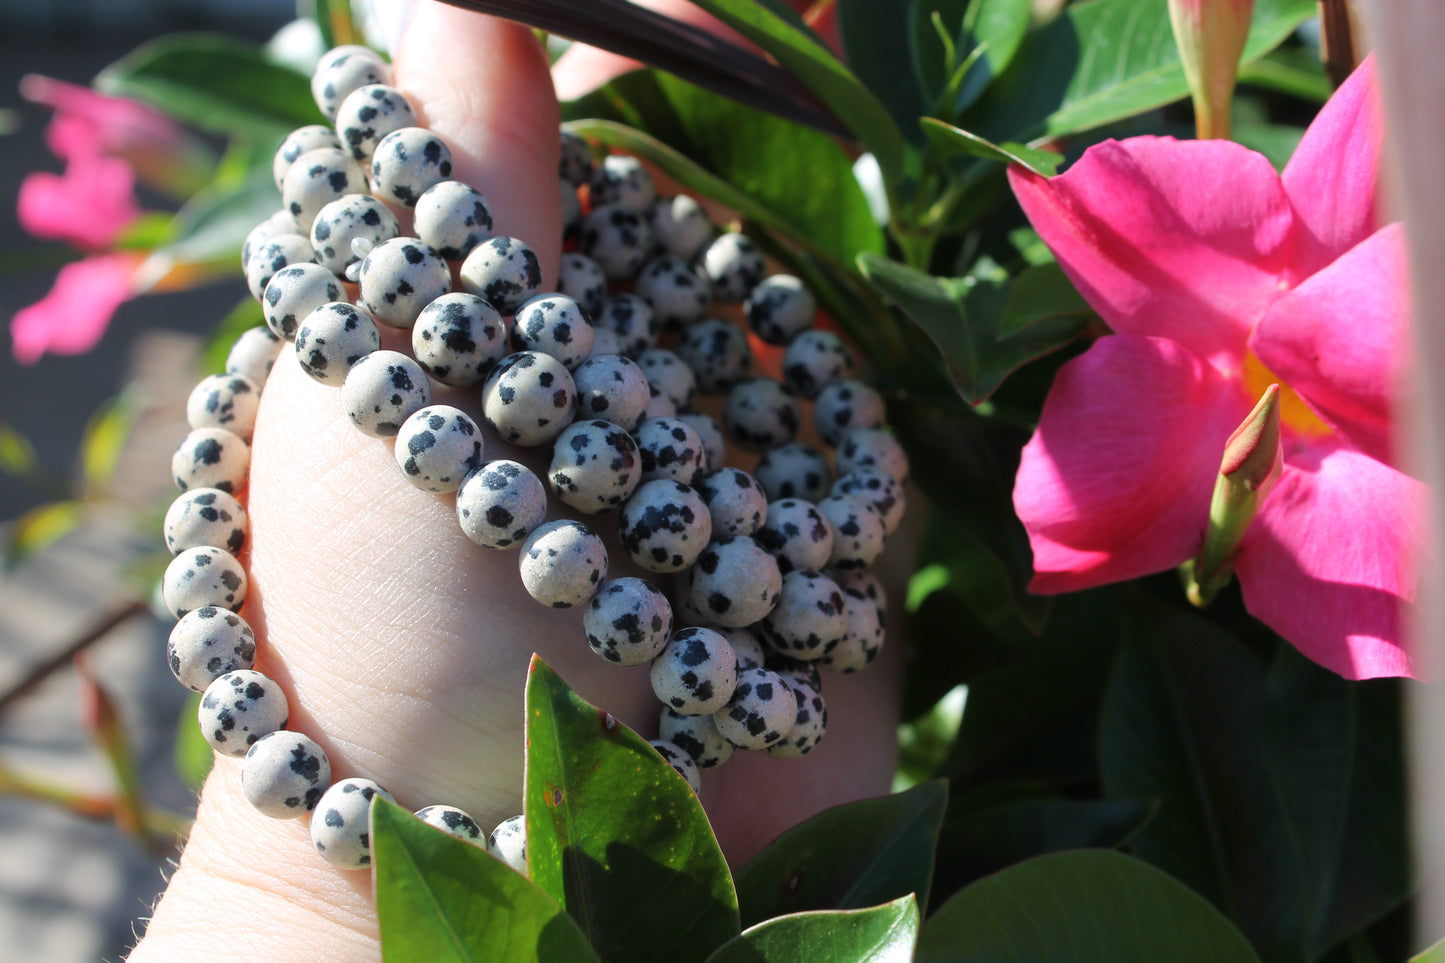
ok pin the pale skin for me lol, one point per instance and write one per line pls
(402, 646)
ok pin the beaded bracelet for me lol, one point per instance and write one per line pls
(769, 570)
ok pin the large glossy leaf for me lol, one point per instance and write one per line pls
(208, 231)
(847, 857)
(1090, 906)
(879, 934)
(617, 837)
(215, 82)
(877, 43)
(440, 899)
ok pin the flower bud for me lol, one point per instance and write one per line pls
(1211, 35)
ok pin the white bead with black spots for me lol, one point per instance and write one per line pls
(680, 225)
(341, 824)
(863, 583)
(696, 672)
(717, 352)
(779, 308)
(794, 470)
(878, 487)
(620, 179)
(863, 639)
(254, 354)
(632, 318)
(382, 390)
(407, 163)
(563, 564)
(205, 516)
(343, 69)
(504, 271)
(211, 458)
(677, 292)
(734, 500)
(876, 448)
(298, 142)
(814, 360)
(858, 532)
(714, 443)
(438, 447)
(628, 621)
(795, 670)
(500, 504)
(733, 266)
(453, 218)
(368, 114)
(458, 339)
(845, 405)
(810, 617)
(508, 843)
(317, 178)
(761, 413)
(594, 466)
(697, 736)
(747, 646)
(659, 405)
(809, 725)
(203, 576)
(399, 277)
(279, 223)
(613, 388)
(528, 398)
(680, 761)
(454, 822)
(224, 401)
(797, 535)
(669, 449)
(574, 165)
(238, 708)
(664, 526)
(284, 774)
(668, 374)
(207, 643)
(618, 239)
(553, 324)
(760, 712)
(581, 278)
(332, 339)
(344, 222)
(294, 292)
(606, 341)
(272, 255)
(734, 582)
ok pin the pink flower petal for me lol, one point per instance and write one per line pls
(90, 206)
(1332, 178)
(74, 315)
(1329, 561)
(1177, 239)
(1116, 481)
(121, 125)
(1340, 339)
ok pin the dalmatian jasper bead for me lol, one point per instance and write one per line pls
(341, 824)
(205, 516)
(882, 489)
(714, 444)
(279, 223)
(677, 293)
(271, 256)
(809, 725)
(238, 708)
(845, 405)
(382, 390)
(814, 360)
(679, 225)
(735, 501)
(211, 458)
(717, 353)
(454, 822)
(504, 271)
(458, 339)
(795, 670)
(400, 277)
(332, 339)
(575, 164)
(862, 640)
(747, 647)
(254, 353)
(631, 317)
(696, 672)
(697, 736)
(203, 576)
(294, 292)
(224, 401)
(368, 114)
(734, 266)
(284, 774)
(581, 279)
(618, 239)
(670, 449)
(686, 614)
(453, 218)
(734, 582)
(349, 222)
(594, 466)
(438, 447)
(508, 843)
(810, 617)
(316, 179)
(875, 448)
(553, 324)
(858, 533)
(665, 526)
(794, 470)
(680, 761)
(865, 584)
(298, 142)
(797, 535)
(606, 341)
(761, 413)
(659, 405)
(668, 374)
(207, 643)
(407, 162)
(563, 564)
(612, 388)
(628, 621)
(342, 70)
(528, 398)
(621, 179)
(760, 712)
(500, 504)
(779, 308)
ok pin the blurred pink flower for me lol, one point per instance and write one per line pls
(76, 312)
(1220, 277)
(90, 205)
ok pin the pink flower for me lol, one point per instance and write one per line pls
(1220, 277)
(74, 315)
(90, 205)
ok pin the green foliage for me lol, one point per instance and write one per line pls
(193, 754)
(882, 934)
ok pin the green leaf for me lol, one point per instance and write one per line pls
(963, 318)
(17, 454)
(216, 83)
(1297, 72)
(951, 141)
(193, 755)
(877, 45)
(645, 879)
(1089, 906)
(1040, 293)
(39, 528)
(336, 22)
(996, 28)
(105, 435)
(847, 857)
(1435, 954)
(879, 934)
(441, 899)
(210, 229)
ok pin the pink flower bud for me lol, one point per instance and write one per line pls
(1211, 35)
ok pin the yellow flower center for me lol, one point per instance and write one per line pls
(1294, 414)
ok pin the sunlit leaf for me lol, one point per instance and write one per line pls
(194, 756)
(878, 934)
(104, 438)
(40, 527)
(949, 141)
